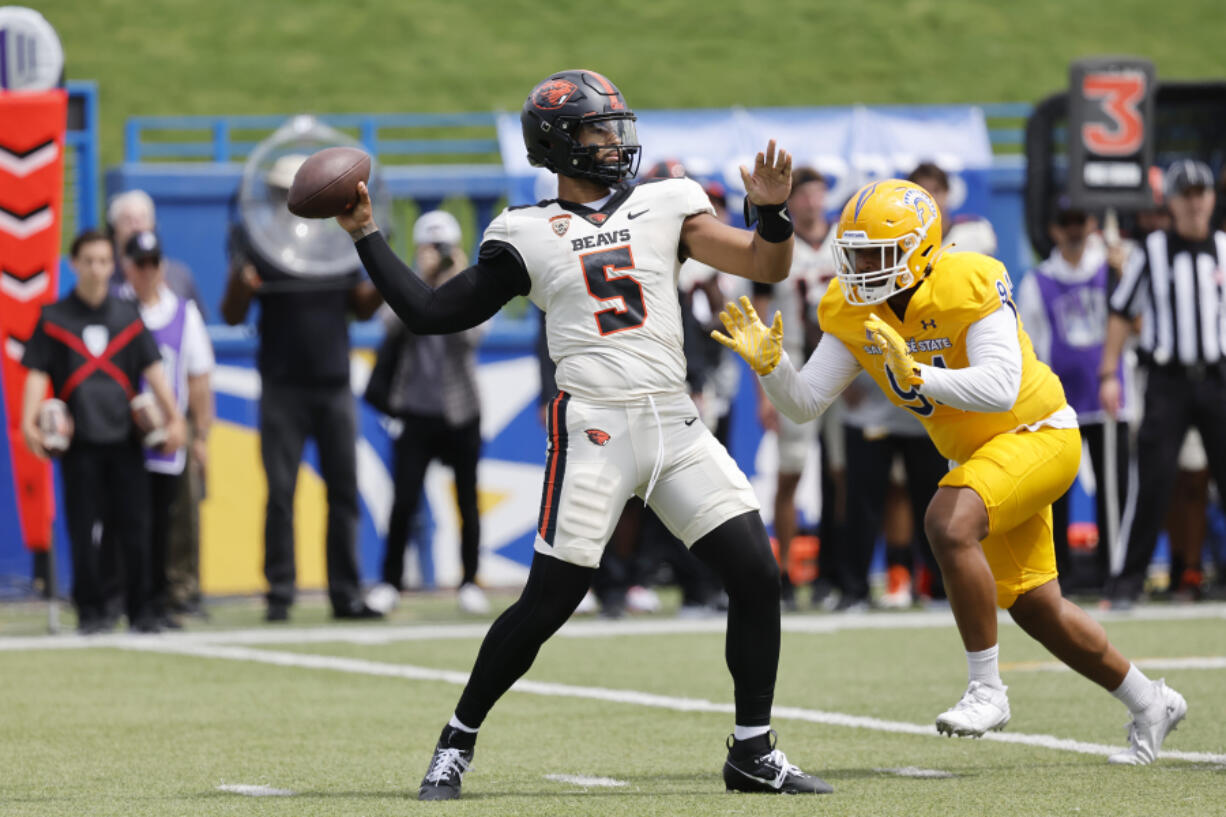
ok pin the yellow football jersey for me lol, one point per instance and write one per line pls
(962, 288)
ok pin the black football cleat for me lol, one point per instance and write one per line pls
(452, 757)
(755, 765)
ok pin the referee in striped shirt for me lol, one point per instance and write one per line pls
(1175, 282)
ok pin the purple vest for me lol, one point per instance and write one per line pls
(1077, 314)
(170, 343)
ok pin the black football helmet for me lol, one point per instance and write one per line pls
(571, 104)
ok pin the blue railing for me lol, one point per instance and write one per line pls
(82, 139)
(211, 138)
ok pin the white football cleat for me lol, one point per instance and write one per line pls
(897, 600)
(472, 599)
(641, 599)
(982, 709)
(1147, 731)
(382, 598)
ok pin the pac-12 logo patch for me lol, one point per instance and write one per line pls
(551, 95)
(597, 436)
(560, 224)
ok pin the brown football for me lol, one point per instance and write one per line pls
(326, 184)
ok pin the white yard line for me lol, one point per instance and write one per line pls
(586, 782)
(915, 771)
(578, 628)
(632, 697)
(251, 790)
(1208, 662)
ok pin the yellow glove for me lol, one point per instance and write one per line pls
(750, 338)
(895, 350)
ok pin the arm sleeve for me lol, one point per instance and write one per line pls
(465, 300)
(804, 395)
(992, 380)
(1034, 316)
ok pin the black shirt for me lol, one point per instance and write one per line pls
(95, 359)
(303, 324)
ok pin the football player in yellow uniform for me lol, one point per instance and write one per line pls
(941, 336)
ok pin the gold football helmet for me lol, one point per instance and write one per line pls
(887, 237)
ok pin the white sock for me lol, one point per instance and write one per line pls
(1137, 691)
(982, 666)
(747, 732)
(456, 723)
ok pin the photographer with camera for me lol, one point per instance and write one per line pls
(429, 383)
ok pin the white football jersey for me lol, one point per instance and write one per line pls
(607, 282)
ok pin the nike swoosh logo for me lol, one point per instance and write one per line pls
(632, 216)
(690, 421)
(773, 783)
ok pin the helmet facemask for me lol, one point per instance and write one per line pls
(604, 148)
(871, 270)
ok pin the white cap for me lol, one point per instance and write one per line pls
(436, 227)
(283, 170)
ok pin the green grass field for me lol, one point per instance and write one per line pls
(341, 720)
(286, 56)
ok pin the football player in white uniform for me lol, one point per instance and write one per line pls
(602, 262)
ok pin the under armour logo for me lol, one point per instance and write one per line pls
(929, 324)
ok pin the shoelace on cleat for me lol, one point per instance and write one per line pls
(969, 698)
(779, 759)
(445, 763)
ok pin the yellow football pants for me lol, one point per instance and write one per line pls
(1018, 476)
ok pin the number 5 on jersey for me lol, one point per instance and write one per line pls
(632, 311)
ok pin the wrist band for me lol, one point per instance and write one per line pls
(1106, 376)
(773, 220)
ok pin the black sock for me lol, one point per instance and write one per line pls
(751, 747)
(453, 738)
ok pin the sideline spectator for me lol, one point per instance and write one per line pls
(807, 203)
(132, 212)
(966, 232)
(1063, 305)
(127, 214)
(1181, 347)
(187, 359)
(303, 360)
(877, 432)
(433, 390)
(93, 350)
